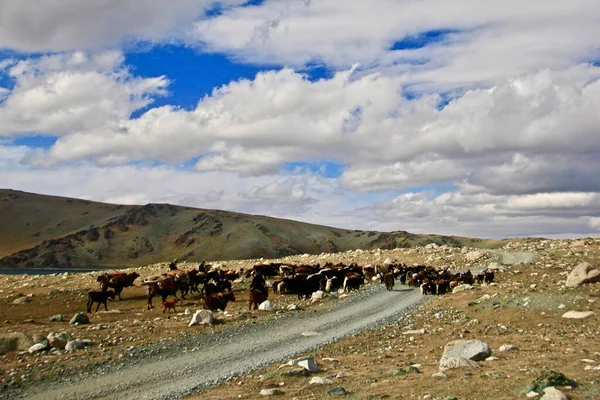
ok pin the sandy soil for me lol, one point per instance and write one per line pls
(524, 309)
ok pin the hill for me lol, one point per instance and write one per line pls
(40, 231)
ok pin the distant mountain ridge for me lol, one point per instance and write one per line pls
(40, 231)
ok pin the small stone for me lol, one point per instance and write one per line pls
(271, 392)
(338, 391)
(508, 347)
(56, 318)
(439, 375)
(532, 394)
(80, 318)
(577, 314)
(317, 380)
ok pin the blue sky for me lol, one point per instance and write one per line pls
(417, 118)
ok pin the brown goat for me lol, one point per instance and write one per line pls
(100, 297)
(218, 301)
(255, 298)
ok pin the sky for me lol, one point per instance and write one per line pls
(462, 117)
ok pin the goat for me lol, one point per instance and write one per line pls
(388, 279)
(169, 304)
(217, 302)
(255, 297)
(117, 281)
(100, 297)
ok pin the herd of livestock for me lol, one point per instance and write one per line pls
(302, 280)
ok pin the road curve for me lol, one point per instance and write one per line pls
(208, 359)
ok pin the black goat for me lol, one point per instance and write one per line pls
(100, 297)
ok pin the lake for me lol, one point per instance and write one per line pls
(34, 271)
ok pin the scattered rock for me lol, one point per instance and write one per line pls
(309, 364)
(80, 318)
(266, 306)
(78, 344)
(464, 353)
(583, 273)
(508, 347)
(56, 318)
(338, 391)
(439, 375)
(43, 346)
(551, 393)
(549, 378)
(462, 288)
(202, 317)
(577, 314)
(22, 300)
(271, 392)
(317, 380)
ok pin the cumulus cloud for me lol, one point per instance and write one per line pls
(67, 25)
(483, 42)
(64, 94)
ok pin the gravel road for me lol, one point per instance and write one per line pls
(173, 370)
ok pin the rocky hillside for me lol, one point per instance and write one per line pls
(38, 231)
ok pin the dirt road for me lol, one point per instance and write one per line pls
(174, 370)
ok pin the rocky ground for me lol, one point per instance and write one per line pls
(524, 309)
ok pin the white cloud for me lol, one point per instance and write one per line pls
(67, 25)
(491, 39)
(67, 93)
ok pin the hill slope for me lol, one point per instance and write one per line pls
(39, 231)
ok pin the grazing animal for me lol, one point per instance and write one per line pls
(100, 297)
(352, 281)
(255, 297)
(162, 286)
(117, 281)
(169, 304)
(218, 301)
(388, 279)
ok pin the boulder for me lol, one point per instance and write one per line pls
(551, 393)
(80, 318)
(462, 287)
(583, 273)
(78, 344)
(202, 317)
(14, 341)
(39, 347)
(308, 363)
(318, 295)
(266, 306)
(22, 300)
(464, 353)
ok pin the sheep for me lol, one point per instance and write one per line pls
(100, 297)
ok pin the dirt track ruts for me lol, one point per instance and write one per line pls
(231, 352)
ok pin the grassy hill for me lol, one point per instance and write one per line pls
(39, 231)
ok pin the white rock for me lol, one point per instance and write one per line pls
(317, 380)
(462, 288)
(271, 392)
(532, 394)
(308, 364)
(293, 307)
(551, 393)
(202, 317)
(266, 306)
(318, 295)
(474, 255)
(508, 347)
(415, 332)
(464, 353)
(577, 314)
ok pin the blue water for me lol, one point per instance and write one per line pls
(31, 271)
